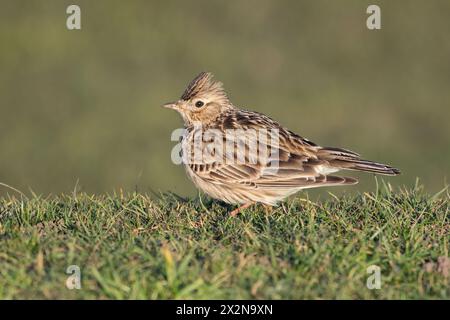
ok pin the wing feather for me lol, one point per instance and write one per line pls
(297, 165)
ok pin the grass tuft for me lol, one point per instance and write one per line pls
(136, 247)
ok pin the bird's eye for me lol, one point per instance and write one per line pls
(199, 104)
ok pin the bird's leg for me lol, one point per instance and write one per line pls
(236, 211)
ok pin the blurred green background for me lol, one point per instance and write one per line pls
(85, 105)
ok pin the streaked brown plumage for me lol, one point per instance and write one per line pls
(301, 163)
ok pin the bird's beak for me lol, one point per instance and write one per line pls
(171, 105)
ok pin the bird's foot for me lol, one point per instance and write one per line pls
(237, 210)
(268, 208)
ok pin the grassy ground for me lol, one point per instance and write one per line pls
(132, 246)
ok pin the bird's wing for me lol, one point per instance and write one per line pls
(295, 164)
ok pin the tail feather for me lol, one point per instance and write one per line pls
(345, 159)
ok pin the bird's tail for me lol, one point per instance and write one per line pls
(349, 160)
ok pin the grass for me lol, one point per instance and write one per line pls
(137, 247)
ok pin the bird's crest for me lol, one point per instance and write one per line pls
(204, 84)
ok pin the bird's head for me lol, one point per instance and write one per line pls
(203, 100)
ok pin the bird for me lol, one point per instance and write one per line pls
(242, 174)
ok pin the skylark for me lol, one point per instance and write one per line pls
(254, 168)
